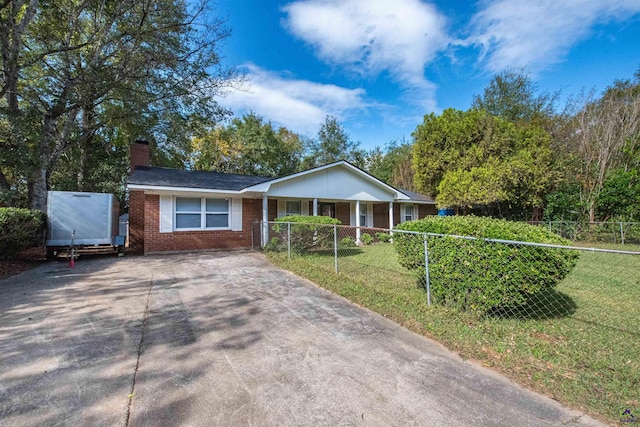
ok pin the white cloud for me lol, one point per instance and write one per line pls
(537, 33)
(300, 105)
(373, 36)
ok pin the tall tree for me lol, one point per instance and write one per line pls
(606, 134)
(333, 144)
(250, 146)
(65, 65)
(393, 165)
(513, 96)
(473, 158)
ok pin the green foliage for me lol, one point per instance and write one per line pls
(19, 229)
(248, 146)
(393, 165)
(308, 232)
(333, 144)
(620, 196)
(383, 237)
(472, 158)
(347, 242)
(81, 77)
(366, 238)
(274, 245)
(479, 276)
(564, 204)
(513, 96)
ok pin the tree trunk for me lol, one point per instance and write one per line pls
(592, 211)
(38, 189)
(39, 179)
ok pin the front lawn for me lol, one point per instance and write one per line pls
(587, 358)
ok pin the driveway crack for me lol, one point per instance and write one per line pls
(140, 345)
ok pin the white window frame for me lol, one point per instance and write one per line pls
(363, 215)
(408, 211)
(286, 207)
(203, 214)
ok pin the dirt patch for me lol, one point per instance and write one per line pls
(25, 260)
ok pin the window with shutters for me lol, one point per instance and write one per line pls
(195, 213)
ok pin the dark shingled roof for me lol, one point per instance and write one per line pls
(417, 197)
(165, 177)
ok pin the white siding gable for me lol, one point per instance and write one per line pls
(337, 183)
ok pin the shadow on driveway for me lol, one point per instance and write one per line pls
(227, 339)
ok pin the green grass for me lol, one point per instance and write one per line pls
(583, 352)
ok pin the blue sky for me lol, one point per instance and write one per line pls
(380, 65)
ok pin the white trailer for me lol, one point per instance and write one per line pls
(78, 220)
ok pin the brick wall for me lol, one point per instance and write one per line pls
(177, 241)
(381, 215)
(343, 212)
(139, 155)
(424, 210)
(136, 221)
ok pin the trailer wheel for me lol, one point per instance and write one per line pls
(51, 254)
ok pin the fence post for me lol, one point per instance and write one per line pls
(550, 230)
(426, 270)
(621, 233)
(289, 240)
(335, 246)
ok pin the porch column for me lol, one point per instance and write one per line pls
(390, 216)
(265, 220)
(315, 207)
(358, 221)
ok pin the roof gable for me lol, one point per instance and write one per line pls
(340, 180)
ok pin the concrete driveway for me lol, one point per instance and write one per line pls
(228, 339)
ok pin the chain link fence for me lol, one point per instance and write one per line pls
(561, 319)
(596, 232)
(500, 279)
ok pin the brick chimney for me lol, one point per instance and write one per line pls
(139, 155)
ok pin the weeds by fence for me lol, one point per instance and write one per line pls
(605, 232)
(562, 320)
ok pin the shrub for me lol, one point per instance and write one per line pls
(347, 242)
(481, 276)
(309, 232)
(273, 245)
(19, 229)
(366, 238)
(383, 237)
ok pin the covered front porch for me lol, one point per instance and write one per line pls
(358, 213)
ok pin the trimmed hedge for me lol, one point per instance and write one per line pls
(309, 232)
(475, 275)
(19, 229)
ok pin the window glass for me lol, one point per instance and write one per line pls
(293, 208)
(217, 205)
(187, 204)
(217, 220)
(363, 215)
(188, 221)
(408, 212)
(190, 211)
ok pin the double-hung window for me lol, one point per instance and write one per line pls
(195, 213)
(292, 207)
(363, 215)
(408, 213)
